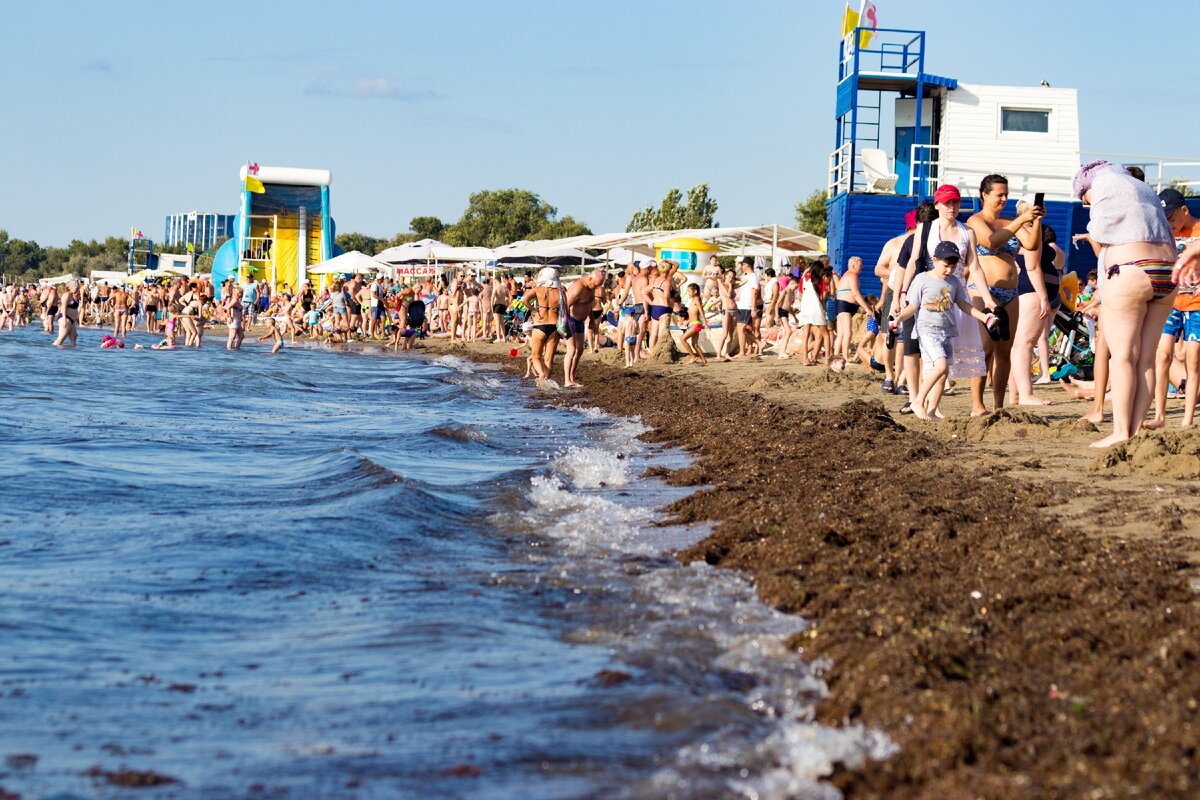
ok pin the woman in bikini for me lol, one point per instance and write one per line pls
(1033, 299)
(999, 242)
(847, 303)
(691, 336)
(544, 300)
(68, 315)
(728, 314)
(1137, 268)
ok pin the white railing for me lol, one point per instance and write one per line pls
(262, 248)
(841, 170)
(923, 155)
(1161, 171)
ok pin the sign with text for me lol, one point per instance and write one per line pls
(415, 270)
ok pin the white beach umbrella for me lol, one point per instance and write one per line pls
(411, 252)
(353, 262)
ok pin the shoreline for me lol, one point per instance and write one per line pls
(1008, 653)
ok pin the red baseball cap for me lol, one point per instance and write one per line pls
(910, 220)
(945, 193)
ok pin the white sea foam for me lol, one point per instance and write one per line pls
(593, 467)
(716, 625)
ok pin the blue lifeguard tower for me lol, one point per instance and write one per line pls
(901, 131)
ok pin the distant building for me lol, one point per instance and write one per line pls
(200, 230)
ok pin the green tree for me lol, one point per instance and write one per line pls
(675, 213)
(426, 227)
(499, 216)
(561, 229)
(810, 213)
(368, 245)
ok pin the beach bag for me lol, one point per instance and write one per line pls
(923, 262)
(564, 329)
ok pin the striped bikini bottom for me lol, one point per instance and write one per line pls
(1159, 273)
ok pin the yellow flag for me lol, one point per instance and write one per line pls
(849, 21)
(255, 185)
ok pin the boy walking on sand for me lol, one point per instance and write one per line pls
(931, 297)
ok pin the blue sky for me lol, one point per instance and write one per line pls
(119, 113)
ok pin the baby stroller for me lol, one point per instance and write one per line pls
(514, 318)
(1070, 342)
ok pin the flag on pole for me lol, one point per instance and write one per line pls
(255, 185)
(867, 19)
(849, 20)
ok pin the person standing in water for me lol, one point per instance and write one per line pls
(68, 316)
(579, 308)
(544, 301)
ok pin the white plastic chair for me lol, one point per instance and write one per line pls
(875, 170)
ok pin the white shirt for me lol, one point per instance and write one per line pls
(745, 292)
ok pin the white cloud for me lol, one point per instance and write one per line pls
(384, 88)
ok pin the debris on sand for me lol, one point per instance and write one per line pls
(811, 380)
(1171, 454)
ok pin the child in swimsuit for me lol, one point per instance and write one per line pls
(691, 336)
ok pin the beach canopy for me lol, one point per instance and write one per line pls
(153, 274)
(542, 253)
(59, 279)
(430, 250)
(352, 263)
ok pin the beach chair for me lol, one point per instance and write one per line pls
(875, 170)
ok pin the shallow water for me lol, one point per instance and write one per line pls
(330, 574)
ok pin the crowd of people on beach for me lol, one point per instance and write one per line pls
(970, 301)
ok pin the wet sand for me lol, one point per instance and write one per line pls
(1012, 608)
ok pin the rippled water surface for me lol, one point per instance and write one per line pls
(329, 574)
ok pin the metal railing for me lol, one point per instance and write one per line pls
(923, 160)
(841, 170)
(894, 50)
(1163, 172)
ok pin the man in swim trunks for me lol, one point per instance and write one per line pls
(641, 303)
(579, 307)
(660, 301)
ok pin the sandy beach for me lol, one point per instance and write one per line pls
(1013, 608)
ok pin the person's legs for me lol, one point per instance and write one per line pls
(643, 321)
(1028, 329)
(537, 343)
(1191, 359)
(1002, 356)
(920, 403)
(1156, 316)
(1127, 298)
(574, 353)
(548, 353)
(1099, 376)
(842, 345)
(741, 336)
(1043, 350)
(1163, 356)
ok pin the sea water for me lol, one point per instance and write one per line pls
(359, 575)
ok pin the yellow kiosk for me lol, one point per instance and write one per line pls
(689, 253)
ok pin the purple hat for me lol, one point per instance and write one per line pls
(1085, 176)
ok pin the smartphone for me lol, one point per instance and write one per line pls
(1039, 199)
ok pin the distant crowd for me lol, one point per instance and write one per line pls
(984, 301)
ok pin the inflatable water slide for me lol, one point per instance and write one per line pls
(283, 227)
